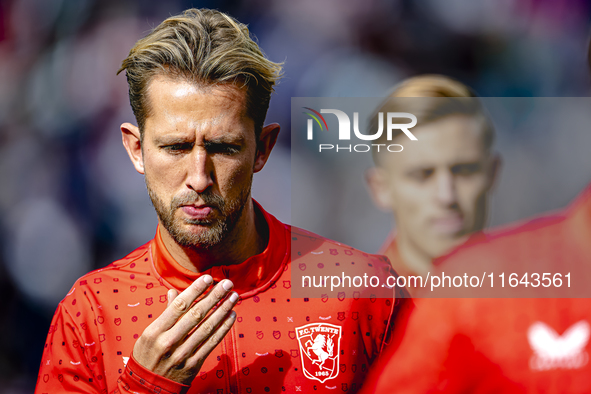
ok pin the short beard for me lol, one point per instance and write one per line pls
(218, 228)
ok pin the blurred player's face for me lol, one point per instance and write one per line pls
(437, 186)
(198, 154)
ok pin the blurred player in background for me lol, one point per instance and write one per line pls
(437, 187)
(505, 345)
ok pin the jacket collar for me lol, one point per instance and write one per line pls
(250, 277)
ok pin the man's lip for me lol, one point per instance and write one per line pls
(448, 224)
(197, 211)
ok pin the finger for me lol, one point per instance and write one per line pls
(172, 293)
(200, 310)
(209, 326)
(201, 354)
(182, 303)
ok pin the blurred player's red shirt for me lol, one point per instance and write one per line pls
(277, 343)
(507, 345)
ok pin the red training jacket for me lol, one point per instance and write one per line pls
(277, 343)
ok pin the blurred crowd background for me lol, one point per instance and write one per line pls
(71, 202)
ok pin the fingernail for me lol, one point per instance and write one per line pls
(207, 279)
(227, 285)
(234, 297)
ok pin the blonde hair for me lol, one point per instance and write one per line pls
(431, 85)
(205, 47)
(431, 97)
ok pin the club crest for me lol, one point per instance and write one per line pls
(320, 348)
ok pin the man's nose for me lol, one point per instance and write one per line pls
(200, 171)
(446, 189)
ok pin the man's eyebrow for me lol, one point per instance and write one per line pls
(225, 140)
(175, 139)
(421, 167)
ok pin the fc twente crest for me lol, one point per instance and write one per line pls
(319, 348)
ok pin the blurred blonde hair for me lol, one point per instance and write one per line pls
(431, 85)
(431, 97)
(205, 47)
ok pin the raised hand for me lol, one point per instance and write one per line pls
(177, 343)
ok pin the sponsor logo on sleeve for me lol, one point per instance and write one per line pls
(553, 351)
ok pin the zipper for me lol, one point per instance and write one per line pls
(231, 361)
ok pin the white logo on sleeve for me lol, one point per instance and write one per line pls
(552, 351)
(125, 360)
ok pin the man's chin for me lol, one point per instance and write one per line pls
(196, 225)
(198, 241)
(447, 244)
(197, 235)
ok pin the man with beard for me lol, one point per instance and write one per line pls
(200, 88)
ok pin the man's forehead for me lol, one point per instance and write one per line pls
(178, 87)
(184, 111)
(183, 102)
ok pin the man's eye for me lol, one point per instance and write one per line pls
(422, 174)
(466, 169)
(225, 149)
(175, 148)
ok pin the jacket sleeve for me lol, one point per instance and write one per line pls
(418, 354)
(401, 310)
(71, 364)
(437, 355)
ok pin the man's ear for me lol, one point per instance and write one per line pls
(130, 135)
(378, 188)
(265, 145)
